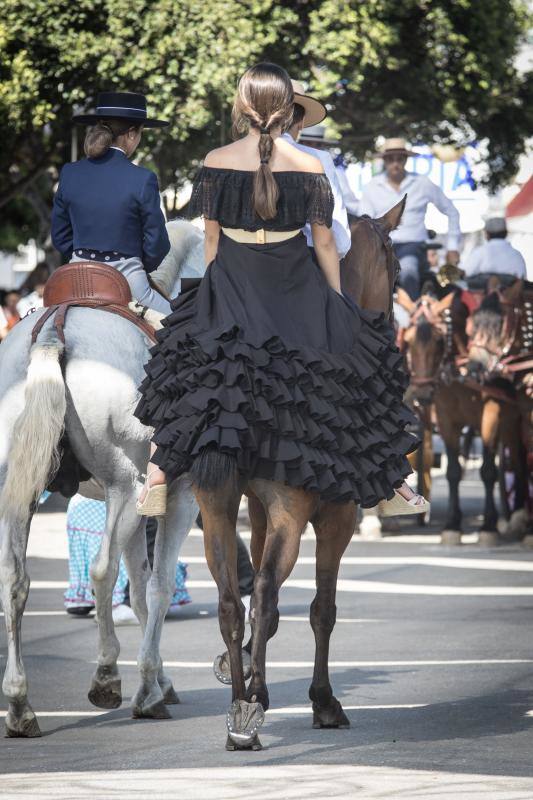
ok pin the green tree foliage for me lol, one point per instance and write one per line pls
(428, 69)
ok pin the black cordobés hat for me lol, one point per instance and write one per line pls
(128, 106)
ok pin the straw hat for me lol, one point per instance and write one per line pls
(316, 133)
(315, 111)
(393, 146)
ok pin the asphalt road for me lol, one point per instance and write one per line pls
(432, 658)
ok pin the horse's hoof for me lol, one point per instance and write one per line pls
(222, 668)
(157, 710)
(170, 696)
(106, 695)
(243, 720)
(330, 716)
(488, 539)
(450, 538)
(254, 745)
(24, 726)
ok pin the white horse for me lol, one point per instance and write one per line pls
(85, 392)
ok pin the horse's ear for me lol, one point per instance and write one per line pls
(404, 300)
(391, 219)
(445, 303)
(514, 293)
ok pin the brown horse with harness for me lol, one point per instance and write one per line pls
(438, 350)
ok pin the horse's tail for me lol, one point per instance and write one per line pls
(34, 452)
(212, 470)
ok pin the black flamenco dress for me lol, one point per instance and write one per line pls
(264, 361)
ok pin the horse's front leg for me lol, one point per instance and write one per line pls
(334, 526)
(14, 587)
(156, 690)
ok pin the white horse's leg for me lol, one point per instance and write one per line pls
(14, 588)
(370, 525)
(156, 688)
(121, 523)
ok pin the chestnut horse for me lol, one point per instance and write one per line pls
(436, 337)
(278, 515)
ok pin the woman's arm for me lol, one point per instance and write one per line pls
(212, 234)
(326, 253)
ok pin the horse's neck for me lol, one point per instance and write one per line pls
(185, 258)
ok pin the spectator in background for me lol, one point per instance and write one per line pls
(9, 307)
(497, 254)
(4, 329)
(386, 190)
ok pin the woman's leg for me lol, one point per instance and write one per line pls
(154, 475)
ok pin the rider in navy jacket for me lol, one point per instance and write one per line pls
(110, 204)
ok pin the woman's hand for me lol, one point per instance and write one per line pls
(327, 256)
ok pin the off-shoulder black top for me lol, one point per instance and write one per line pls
(225, 195)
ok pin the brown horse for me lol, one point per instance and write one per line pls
(278, 515)
(434, 340)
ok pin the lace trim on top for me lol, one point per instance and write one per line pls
(225, 195)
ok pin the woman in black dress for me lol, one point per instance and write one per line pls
(266, 361)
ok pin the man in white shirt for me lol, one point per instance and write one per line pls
(387, 189)
(308, 112)
(497, 254)
(315, 136)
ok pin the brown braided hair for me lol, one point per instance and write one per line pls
(101, 136)
(264, 101)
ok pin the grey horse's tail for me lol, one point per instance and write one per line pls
(34, 452)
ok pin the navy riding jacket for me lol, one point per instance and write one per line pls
(109, 204)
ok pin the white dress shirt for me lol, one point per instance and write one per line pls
(350, 200)
(340, 227)
(379, 196)
(496, 255)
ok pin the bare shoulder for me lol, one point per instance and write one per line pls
(217, 157)
(294, 158)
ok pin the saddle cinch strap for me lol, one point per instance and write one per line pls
(87, 284)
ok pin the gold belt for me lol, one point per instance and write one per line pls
(258, 237)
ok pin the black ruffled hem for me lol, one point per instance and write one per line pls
(326, 422)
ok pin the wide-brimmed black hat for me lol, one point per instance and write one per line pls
(129, 106)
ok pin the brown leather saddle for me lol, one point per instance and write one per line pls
(87, 284)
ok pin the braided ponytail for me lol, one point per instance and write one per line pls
(264, 100)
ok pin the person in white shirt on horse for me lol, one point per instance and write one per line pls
(307, 113)
(384, 191)
(315, 136)
(497, 255)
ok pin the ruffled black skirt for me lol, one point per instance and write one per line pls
(265, 362)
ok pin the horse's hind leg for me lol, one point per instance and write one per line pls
(156, 689)
(334, 526)
(258, 522)
(219, 507)
(14, 588)
(121, 523)
(288, 510)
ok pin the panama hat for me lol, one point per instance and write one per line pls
(315, 111)
(390, 146)
(129, 106)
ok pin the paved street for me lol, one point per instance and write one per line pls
(432, 658)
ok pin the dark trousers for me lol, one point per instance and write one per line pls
(413, 263)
